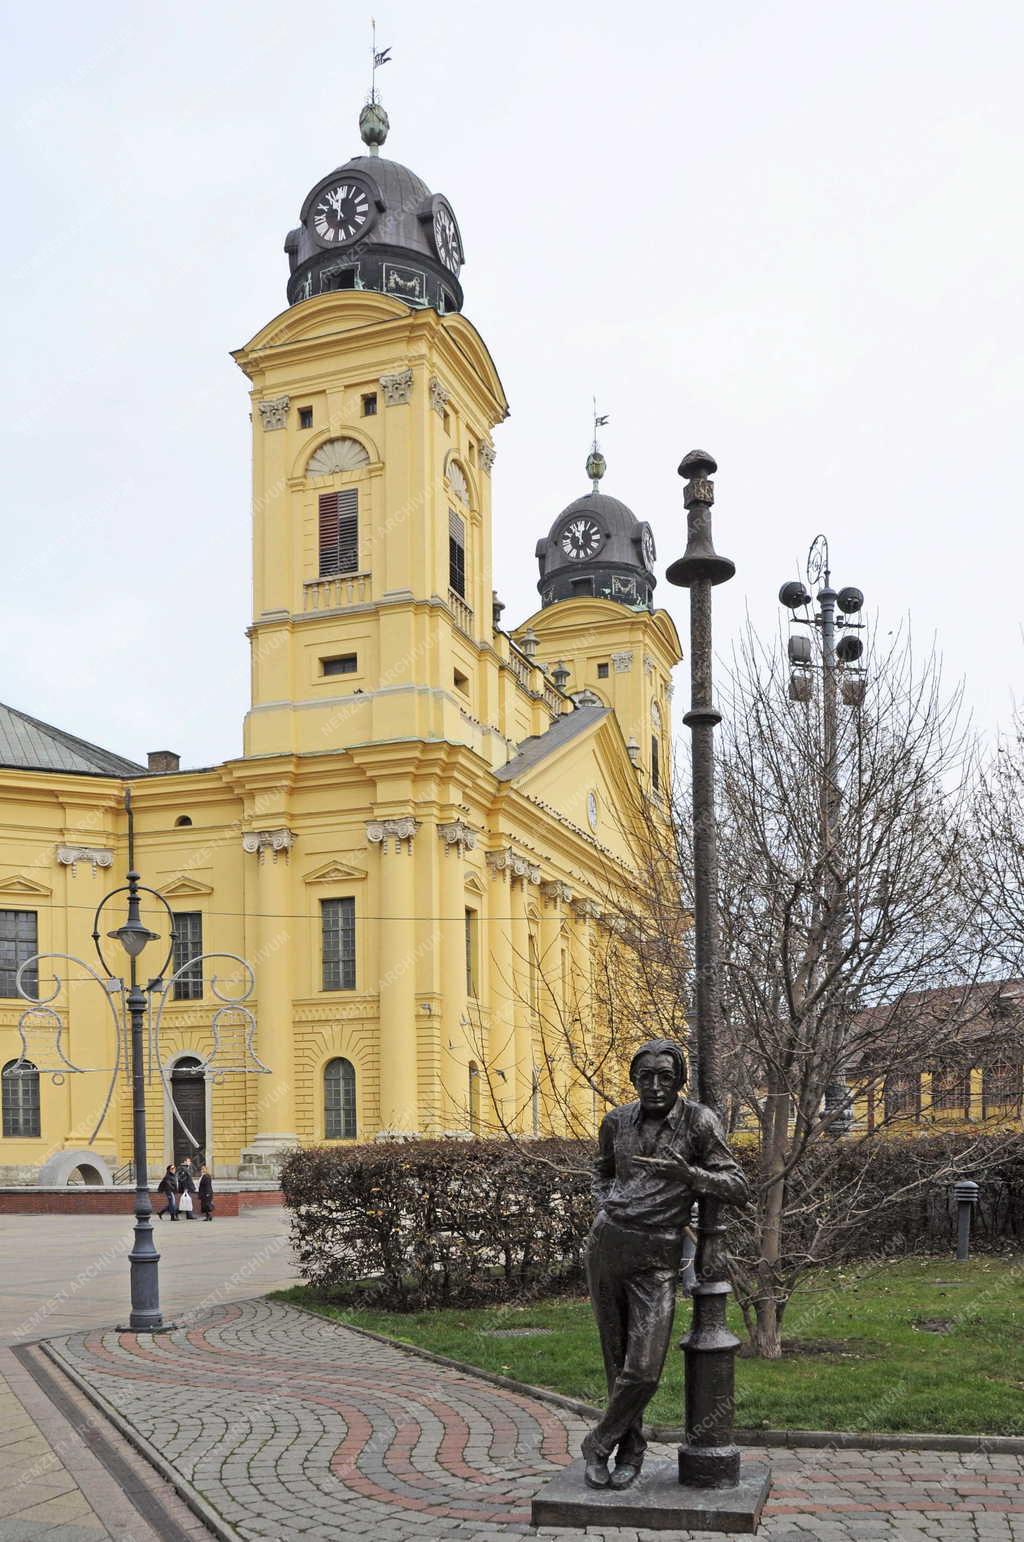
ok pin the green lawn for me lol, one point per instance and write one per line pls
(867, 1353)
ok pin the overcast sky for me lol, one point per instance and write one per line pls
(788, 234)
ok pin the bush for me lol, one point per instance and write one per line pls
(450, 1222)
(427, 1223)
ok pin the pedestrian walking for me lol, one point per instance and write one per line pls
(168, 1186)
(186, 1188)
(206, 1193)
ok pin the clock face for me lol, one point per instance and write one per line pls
(446, 238)
(581, 538)
(341, 213)
(647, 547)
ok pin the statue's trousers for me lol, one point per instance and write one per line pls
(633, 1276)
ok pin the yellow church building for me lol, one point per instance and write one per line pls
(427, 806)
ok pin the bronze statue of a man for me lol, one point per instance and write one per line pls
(654, 1157)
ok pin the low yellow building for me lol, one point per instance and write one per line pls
(427, 807)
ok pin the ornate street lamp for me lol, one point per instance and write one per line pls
(130, 1006)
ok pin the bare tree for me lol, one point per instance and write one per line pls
(852, 944)
(846, 919)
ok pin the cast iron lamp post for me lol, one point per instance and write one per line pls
(144, 1260)
(709, 1457)
(129, 1008)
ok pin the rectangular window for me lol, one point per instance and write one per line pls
(342, 664)
(602, 671)
(457, 553)
(18, 941)
(951, 1089)
(471, 952)
(188, 944)
(305, 417)
(582, 586)
(460, 681)
(655, 764)
(339, 532)
(370, 405)
(338, 932)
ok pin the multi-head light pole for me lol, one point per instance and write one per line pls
(839, 670)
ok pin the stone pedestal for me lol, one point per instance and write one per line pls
(657, 1501)
(262, 1160)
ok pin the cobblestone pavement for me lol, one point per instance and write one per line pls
(292, 1427)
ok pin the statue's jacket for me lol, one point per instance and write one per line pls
(632, 1196)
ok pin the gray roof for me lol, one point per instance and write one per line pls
(26, 742)
(562, 731)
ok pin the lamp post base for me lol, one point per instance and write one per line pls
(657, 1501)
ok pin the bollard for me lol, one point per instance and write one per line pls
(966, 1195)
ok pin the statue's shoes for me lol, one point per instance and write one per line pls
(595, 1473)
(624, 1474)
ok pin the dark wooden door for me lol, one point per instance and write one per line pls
(189, 1093)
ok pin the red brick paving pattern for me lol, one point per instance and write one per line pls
(292, 1427)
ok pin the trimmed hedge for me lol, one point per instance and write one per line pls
(427, 1223)
(424, 1223)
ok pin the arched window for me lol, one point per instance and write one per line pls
(339, 1100)
(20, 1099)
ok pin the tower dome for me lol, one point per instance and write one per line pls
(374, 224)
(597, 546)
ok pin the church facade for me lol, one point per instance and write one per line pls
(427, 806)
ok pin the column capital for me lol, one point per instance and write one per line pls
(273, 413)
(96, 856)
(262, 841)
(584, 910)
(556, 892)
(402, 831)
(515, 865)
(456, 834)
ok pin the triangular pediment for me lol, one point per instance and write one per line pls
(473, 884)
(18, 884)
(183, 888)
(335, 872)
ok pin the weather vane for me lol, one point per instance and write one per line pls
(596, 463)
(379, 56)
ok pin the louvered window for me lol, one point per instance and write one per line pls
(339, 532)
(457, 553)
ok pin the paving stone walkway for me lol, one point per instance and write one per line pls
(294, 1428)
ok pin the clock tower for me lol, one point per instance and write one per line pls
(599, 625)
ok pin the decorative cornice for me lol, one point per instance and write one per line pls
(96, 856)
(556, 892)
(397, 388)
(457, 834)
(438, 396)
(516, 866)
(262, 841)
(487, 456)
(274, 413)
(401, 831)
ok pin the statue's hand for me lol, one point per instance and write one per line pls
(672, 1165)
